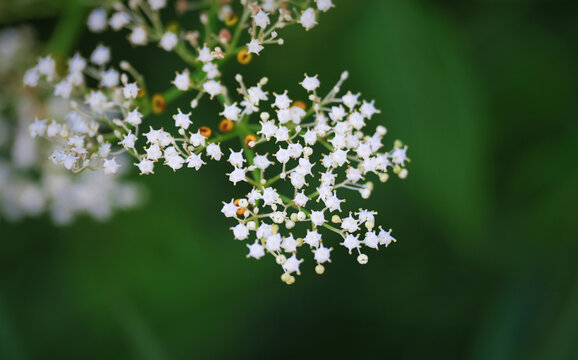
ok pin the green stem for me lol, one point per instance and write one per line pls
(68, 29)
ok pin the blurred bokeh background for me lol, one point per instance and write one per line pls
(484, 92)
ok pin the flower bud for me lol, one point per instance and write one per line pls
(244, 57)
(251, 226)
(226, 126)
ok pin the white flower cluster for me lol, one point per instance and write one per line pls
(29, 185)
(316, 154)
(97, 114)
(261, 19)
(297, 159)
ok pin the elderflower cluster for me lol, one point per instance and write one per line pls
(313, 154)
(223, 21)
(292, 161)
(29, 185)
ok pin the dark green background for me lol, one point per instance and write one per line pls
(484, 92)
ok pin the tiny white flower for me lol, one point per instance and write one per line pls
(195, 161)
(254, 47)
(157, 4)
(110, 78)
(205, 55)
(138, 36)
(324, 5)
(350, 100)
(317, 218)
(398, 156)
(322, 254)
(174, 162)
(182, 120)
(76, 64)
(229, 209)
(169, 41)
(289, 244)
(63, 89)
(231, 112)
(146, 166)
(97, 101)
(214, 151)
(31, 78)
(308, 19)
(236, 158)
(282, 133)
(300, 199)
(270, 196)
(310, 83)
(371, 240)
(128, 141)
(119, 20)
(283, 156)
(261, 19)
(351, 242)
(100, 55)
(97, 20)
(46, 66)
(213, 88)
(197, 139)
(291, 265)
(333, 203)
(268, 129)
(182, 81)
(134, 118)
(37, 128)
(256, 250)
(313, 238)
(253, 196)
(110, 166)
(53, 129)
(261, 162)
(385, 237)
(240, 232)
(368, 109)
(349, 224)
(130, 90)
(212, 70)
(297, 180)
(154, 152)
(282, 101)
(273, 242)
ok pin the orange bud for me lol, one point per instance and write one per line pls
(225, 35)
(243, 57)
(205, 131)
(300, 104)
(249, 139)
(240, 211)
(159, 103)
(226, 125)
(231, 20)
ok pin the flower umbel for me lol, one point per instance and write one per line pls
(291, 160)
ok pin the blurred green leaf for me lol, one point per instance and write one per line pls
(421, 77)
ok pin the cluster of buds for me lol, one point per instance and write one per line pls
(295, 157)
